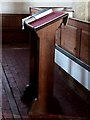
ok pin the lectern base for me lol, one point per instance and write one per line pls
(53, 107)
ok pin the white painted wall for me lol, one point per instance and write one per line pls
(15, 7)
(82, 10)
(22, 6)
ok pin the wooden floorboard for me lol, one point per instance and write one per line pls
(10, 97)
(15, 63)
(6, 111)
(70, 102)
(14, 82)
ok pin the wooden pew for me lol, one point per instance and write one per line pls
(75, 38)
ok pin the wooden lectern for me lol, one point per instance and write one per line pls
(42, 27)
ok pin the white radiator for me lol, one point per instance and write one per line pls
(73, 66)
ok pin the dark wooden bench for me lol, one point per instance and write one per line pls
(75, 38)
